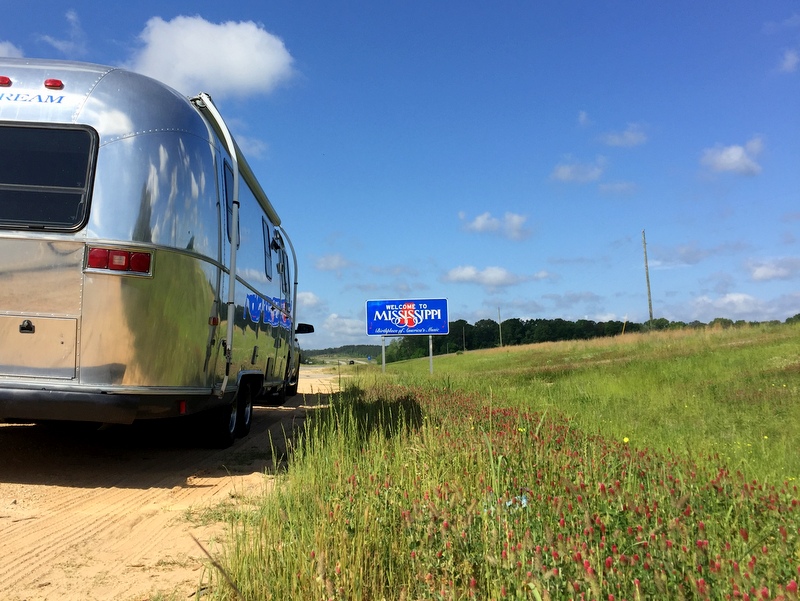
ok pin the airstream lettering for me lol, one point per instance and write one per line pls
(144, 273)
(40, 98)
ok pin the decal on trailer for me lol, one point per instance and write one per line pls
(38, 98)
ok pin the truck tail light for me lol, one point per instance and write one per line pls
(119, 260)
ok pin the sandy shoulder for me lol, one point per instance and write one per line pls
(115, 514)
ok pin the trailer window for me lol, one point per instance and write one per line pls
(229, 202)
(45, 176)
(285, 273)
(267, 249)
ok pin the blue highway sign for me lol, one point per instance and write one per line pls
(407, 317)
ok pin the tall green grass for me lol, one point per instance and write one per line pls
(733, 392)
(614, 470)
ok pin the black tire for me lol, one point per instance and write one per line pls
(290, 390)
(220, 426)
(244, 411)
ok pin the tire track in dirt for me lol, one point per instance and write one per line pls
(103, 515)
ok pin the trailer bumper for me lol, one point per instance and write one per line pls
(69, 406)
(101, 407)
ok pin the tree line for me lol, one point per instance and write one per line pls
(487, 333)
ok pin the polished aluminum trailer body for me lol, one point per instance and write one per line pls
(117, 223)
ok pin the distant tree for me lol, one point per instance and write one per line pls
(460, 334)
(584, 328)
(350, 350)
(414, 347)
(793, 319)
(612, 328)
(487, 333)
(660, 323)
(721, 323)
(538, 330)
(562, 329)
(393, 351)
(632, 327)
(513, 331)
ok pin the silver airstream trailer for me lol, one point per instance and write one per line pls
(144, 273)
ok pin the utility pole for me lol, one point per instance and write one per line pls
(647, 276)
(500, 323)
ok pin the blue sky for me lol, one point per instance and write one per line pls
(506, 156)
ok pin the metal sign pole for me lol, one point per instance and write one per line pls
(383, 354)
(430, 352)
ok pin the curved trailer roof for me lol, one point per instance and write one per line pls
(117, 103)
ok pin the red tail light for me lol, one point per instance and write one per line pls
(119, 260)
(140, 262)
(98, 258)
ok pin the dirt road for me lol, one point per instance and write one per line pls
(106, 515)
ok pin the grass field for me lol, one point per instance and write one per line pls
(659, 466)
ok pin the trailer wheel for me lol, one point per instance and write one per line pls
(244, 410)
(290, 390)
(220, 425)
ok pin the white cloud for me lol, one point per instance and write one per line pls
(738, 159)
(512, 226)
(789, 61)
(482, 223)
(583, 118)
(692, 253)
(792, 22)
(9, 49)
(335, 330)
(775, 269)
(738, 305)
(335, 262)
(632, 136)
(735, 305)
(73, 46)
(343, 330)
(573, 171)
(251, 147)
(308, 300)
(224, 59)
(491, 277)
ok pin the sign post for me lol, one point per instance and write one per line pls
(408, 317)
